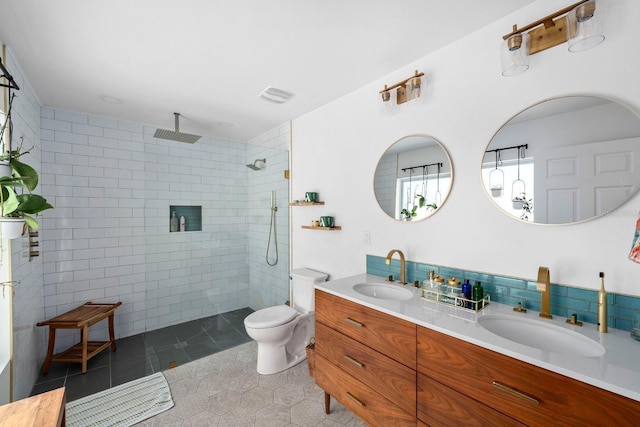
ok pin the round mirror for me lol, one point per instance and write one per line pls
(413, 178)
(564, 160)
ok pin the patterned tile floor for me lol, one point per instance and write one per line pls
(224, 389)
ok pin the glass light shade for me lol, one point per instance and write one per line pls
(514, 54)
(584, 26)
(388, 102)
(414, 90)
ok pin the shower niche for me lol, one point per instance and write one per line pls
(185, 218)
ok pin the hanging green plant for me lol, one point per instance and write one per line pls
(408, 214)
(24, 205)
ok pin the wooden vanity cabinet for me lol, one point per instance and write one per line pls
(442, 406)
(492, 382)
(366, 360)
(394, 337)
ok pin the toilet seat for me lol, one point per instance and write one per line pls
(270, 317)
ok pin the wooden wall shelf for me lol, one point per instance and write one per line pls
(312, 227)
(305, 203)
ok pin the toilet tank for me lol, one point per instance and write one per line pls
(302, 288)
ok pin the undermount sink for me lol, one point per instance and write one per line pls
(540, 335)
(382, 291)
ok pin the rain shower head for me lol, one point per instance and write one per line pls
(254, 167)
(176, 135)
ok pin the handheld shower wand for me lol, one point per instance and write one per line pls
(272, 229)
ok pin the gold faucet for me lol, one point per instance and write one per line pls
(544, 286)
(388, 261)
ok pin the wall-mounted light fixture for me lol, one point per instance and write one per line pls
(408, 90)
(581, 27)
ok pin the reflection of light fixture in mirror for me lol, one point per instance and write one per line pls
(496, 179)
(407, 90)
(581, 27)
(584, 27)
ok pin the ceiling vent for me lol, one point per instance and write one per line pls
(276, 95)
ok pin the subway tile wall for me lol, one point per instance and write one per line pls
(108, 239)
(565, 300)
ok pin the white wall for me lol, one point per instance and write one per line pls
(336, 148)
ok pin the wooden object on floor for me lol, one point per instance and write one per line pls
(42, 410)
(80, 318)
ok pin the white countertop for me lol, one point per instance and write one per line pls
(618, 370)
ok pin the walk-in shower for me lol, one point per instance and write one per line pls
(254, 166)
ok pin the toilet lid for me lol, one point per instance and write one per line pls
(270, 317)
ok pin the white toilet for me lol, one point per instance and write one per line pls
(283, 332)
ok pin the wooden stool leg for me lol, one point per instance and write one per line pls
(327, 402)
(112, 333)
(85, 339)
(52, 340)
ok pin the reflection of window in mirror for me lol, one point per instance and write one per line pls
(414, 192)
(510, 170)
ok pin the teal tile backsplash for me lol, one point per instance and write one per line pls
(565, 300)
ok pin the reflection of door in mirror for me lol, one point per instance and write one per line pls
(583, 152)
(413, 178)
(586, 180)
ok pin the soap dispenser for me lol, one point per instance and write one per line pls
(602, 306)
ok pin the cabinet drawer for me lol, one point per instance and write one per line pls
(358, 398)
(394, 337)
(525, 392)
(439, 405)
(392, 379)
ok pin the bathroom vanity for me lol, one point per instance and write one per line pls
(398, 359)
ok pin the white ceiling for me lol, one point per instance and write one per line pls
(209, 59)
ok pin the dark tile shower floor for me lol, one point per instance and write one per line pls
(144, 354)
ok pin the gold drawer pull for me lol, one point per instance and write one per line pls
(515, 392)
(353, 322)
(354, 361)
(355, 399)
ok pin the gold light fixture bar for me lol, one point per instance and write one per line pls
(401, 92)
(546, 32)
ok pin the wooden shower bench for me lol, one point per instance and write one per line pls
(80, 318)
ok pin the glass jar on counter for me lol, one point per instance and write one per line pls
(439, 285)
(452, 290)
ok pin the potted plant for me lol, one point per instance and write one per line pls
(408, 214)
(432, 206)
(19, 209)
(521, 201)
